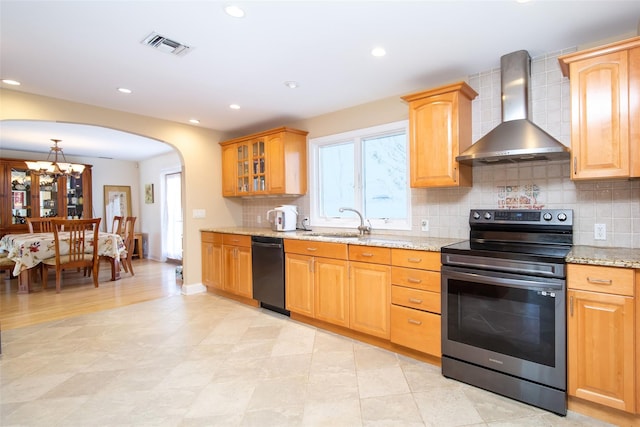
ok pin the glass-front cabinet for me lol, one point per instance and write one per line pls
(26, 194)
(267, 163)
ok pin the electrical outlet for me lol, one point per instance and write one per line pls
(425, 225)
(259, 219)
(600, 232)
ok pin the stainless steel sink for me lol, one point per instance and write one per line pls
(334, 234)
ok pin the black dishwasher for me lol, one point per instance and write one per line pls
(267, 260)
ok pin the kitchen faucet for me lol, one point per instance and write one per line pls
(362, 228)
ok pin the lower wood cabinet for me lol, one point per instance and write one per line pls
(236, 255)
(212, 260)
(370, 290)
(415, 300)
(601, 356)
(317, 280)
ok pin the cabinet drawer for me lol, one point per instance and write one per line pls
(417, 279)
(416, 329)
(610, 280)
(236, 240)
(210, 237)
(416, 259)
(414, 298)
(370, 254)
(320, 249)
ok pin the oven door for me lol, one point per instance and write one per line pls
(506, 322)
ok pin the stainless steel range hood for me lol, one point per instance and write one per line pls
(516, 139)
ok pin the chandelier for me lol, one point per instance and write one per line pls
(55, 168)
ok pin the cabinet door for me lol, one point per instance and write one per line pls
(212, 264)
(229, 170)
(600, 117)
(258, 166)
(243, 175)
(331, 283)
(276, 166)
(437, 125)
(299, 284)
(600, 349)
(243, 272)
(230, 271)
(370, 288)
(207, 263)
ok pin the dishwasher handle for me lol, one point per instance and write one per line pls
(266, 245)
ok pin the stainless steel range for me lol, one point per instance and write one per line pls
(503, 305)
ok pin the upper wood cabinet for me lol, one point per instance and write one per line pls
(440, 129)
(273, 162)
(605, 110)
(24, 194)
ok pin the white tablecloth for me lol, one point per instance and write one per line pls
(28, 250)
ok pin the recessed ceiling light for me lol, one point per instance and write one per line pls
(11, 82)
(234, 106)
(291, 84)
(124, 90)
(194, 121)
(234, 11)
(378, 51)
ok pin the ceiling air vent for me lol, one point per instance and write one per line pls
(164, 44)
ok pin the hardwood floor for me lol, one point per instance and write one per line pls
(152, 280)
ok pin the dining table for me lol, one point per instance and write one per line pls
(28, 250)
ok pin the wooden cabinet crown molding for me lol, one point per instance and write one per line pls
(595, 52)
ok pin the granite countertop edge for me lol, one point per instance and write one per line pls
(579, 254)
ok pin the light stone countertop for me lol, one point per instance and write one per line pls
(592, 255)
(424, 243)
(612, 257)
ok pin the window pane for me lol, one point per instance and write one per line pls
(385, 176)
(336, 164)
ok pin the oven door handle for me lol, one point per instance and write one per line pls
(497, 279)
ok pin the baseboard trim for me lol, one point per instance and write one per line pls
(196, 288)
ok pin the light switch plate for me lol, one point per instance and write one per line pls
(199, 213)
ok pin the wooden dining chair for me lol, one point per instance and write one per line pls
(40, 225)
(117, 225)
(129, 242)
(75, 251)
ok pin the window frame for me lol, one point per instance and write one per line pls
(350, 219)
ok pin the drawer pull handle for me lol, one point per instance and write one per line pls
(415, 301)
(312, 249)
(412, 280)
(414, 259)
(599, 281)
(367, 254)
(414, 322)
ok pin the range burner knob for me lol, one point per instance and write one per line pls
(487, 215)
(562, 216)
(476, 215)
(547, 216)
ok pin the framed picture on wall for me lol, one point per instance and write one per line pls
(117, 202)
(148, 193)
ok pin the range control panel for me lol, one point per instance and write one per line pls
(521, 216)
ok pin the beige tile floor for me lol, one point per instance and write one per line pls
(203, 360)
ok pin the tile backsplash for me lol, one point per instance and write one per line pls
(615, 203)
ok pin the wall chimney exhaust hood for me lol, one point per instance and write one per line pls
(516, 139)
